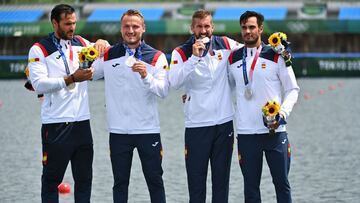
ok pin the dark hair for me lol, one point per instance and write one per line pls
(248, 14)
(133, 12)
(60, 9)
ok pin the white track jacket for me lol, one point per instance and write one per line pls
(47, 71)
(271, 80)
(205, 81)
(131, 102)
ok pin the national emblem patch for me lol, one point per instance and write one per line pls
(263, 65)
(219, 56)
(33, 60)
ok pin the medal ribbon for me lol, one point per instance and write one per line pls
(59, 48)
(137, 51)
(246, 80)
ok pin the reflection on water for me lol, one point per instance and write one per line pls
(323, 130)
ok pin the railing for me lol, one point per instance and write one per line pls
(304, 65)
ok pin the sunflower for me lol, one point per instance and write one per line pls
(271, 108)
(274, 39)
(84, 50)
(82, 57)
(26, 71)
(92, 54)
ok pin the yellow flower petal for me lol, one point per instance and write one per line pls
(84, 50)
(274, 39)
(92, 54)
(81, 57)
(27, 71)
(283, 36)
(271, 108)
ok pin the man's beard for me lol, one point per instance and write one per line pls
(251, 42)
(63, 35)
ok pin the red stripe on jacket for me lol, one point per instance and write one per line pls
(157, 55)
(42, 49)
(231, 58)
(182, 54)
(106, 54)
(226, 42)
(82, 41)
(276, 58)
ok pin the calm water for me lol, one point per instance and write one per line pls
(323, 130)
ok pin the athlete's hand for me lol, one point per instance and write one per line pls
(274, 126)
(140, 68)
(279, 121)
(198, 48)
(83, 74)
(100, 45)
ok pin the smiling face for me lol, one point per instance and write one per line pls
(132, 29)
(251, 32)
(202, 27)
(65, 28)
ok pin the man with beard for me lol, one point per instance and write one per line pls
(259, 75)
(199, 66)
(135, 76)
(66, 134)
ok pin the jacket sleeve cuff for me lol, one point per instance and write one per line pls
(147, 79)
(62, 82)
(283, 114)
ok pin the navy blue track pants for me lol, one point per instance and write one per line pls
(214, 143)
(277, 152)
(150, 152)
(61, 143)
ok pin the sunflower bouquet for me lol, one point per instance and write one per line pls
(28, 84)
(87, 55)
(278, 42)
(271, 115)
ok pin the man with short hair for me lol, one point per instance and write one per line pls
(260, 75)
(66, 134)
(135, 77)
(199, 66)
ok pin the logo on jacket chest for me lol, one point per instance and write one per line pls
(263, 65)
(116, 64)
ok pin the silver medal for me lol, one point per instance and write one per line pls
(130, 61)
(248, 92)
(71, 86)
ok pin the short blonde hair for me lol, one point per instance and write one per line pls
(200, 14)
(133, 12)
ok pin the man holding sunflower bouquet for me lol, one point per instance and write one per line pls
(266, 91)
(66, 134)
